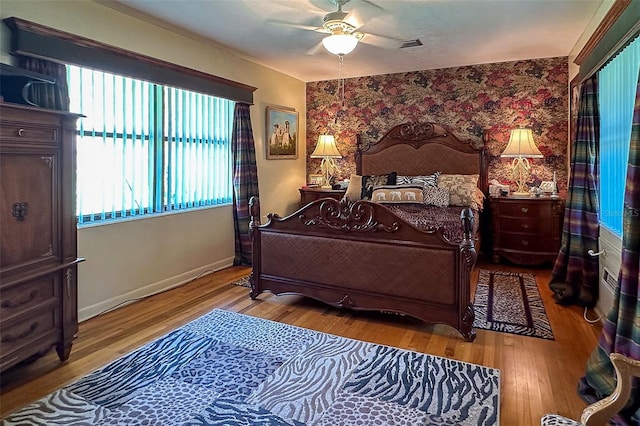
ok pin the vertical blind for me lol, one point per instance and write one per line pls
(146, 148)
(617, 82)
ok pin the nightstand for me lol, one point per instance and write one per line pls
(308, 195)
(526, 230)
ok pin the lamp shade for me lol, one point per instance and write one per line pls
(521, 145)
(326, 148)
(340, 44)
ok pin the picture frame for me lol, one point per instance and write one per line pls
(281, 136)
(315, 179)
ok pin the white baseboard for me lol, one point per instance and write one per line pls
(151, 289)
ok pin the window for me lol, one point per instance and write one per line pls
(617, 83)
(146, 148)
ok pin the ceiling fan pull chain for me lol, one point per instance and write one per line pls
(341, 79)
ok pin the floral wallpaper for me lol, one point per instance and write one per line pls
(467, 100)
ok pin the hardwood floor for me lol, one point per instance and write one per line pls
(537, 376)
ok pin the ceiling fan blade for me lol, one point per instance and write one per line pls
(315, 49)
(300, 26)
(381, 41)
(372, 4)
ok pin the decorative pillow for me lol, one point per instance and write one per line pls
(436, 196)
(426, 181)
(397, 194)
(462, 189)
(370, 182)
(354, 190)
(479, 198)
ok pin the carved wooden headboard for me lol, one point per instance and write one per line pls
(421, 149)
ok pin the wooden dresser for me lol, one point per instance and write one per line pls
(38, 251)
(526, 230)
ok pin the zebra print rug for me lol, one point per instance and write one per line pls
(231, 369)
(510, 302)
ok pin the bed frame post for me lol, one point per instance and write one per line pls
(254, 222)
(469, 255)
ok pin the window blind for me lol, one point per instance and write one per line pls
(145, 148)
(617, 83)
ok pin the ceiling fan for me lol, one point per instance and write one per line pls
(343, 36)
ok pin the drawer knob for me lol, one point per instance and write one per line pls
(19, 210)
(525, 242)
(524, 210)
(21, 132)
(525, 225)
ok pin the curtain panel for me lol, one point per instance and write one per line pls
(621, 331)
(245, 181)
(46, 95)
(575, 274)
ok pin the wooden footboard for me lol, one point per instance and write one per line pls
(362, 256)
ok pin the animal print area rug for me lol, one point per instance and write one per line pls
(231, 369)
(510, 302)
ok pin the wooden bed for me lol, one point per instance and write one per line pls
(363, 256)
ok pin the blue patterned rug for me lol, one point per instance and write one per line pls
(231, 369)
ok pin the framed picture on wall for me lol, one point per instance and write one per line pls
(281, 133)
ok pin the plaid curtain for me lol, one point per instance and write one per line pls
(245, 181)
(46, 95)
(575, 274)
(621, 331)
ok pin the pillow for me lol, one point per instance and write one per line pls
(354, 190)
(479, 198)
(370, 182)
(462, 189)
(426, 181)
(398, 194)
(435, 196)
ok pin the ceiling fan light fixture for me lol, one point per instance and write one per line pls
(340, 44)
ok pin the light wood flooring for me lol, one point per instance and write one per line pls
(537, 376)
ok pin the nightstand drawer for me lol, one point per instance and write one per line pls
(524, 242)
(523, 225)
(518, 209)
(308, 195)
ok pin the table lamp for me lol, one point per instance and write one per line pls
(521, 147)
(327, 150)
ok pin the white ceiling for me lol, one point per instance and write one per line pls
(453, 32)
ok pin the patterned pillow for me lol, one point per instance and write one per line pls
(462, 189)
(426, 181)
(398, 194)
(479, 198)
(436, 196)
(370, 182)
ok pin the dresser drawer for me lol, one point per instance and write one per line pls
(27, 295)
(16, 132)
(36, 326)
(516, 209)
